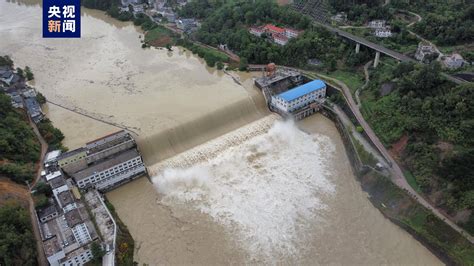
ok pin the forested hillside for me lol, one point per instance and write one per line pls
(17, 243)
(362, 11)
(437, 118)
(19, 147)
(228, 24)
(448, 22)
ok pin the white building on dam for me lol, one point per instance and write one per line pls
(301, 101)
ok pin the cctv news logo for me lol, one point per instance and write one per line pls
(61, 18)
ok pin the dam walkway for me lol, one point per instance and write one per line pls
(75, 110)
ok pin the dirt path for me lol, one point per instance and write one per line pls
(34, 219)
(367, 79)
(418, 19)
(44, 149)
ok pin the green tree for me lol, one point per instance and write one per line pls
(6, 61)
(40, 98)
(97, 252)
(243, 65)
(29, 74)
(17, 243)
(20, 71)
(43, 188)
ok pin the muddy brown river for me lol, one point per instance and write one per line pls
(231, 183)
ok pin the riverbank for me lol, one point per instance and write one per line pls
(125, 245)
(396, 205)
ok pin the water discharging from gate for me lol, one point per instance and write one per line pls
(265, 193)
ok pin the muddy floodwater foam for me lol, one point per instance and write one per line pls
(265, 191)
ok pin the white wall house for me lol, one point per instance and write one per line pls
(383, 32)
(374, 24)
(453, 61)
(280, 39)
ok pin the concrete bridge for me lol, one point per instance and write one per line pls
(318, 11)
(380, 49)
(359, 40)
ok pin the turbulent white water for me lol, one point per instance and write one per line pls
(265, 192)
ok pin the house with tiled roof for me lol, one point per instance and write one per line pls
(278, 35)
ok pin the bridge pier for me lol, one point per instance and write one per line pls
(357, 48)
(377, 58)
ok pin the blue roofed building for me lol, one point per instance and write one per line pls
(300, 97)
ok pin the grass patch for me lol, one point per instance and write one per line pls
(211, 56)
(159, 37)
(353, 80)
(412, 181)
(366, 157)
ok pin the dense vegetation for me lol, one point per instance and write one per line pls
(19, 147)
(211, 56)
(52, 135)
(362, 11)
(17, 243)
(446, 22)
(438, 118)
(103, 5)
(227, 23)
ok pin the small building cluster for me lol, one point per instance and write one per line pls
(187, 25)
(381, 29)
(424, 51)
(22, 96)
(66, 228)
(340, 17)
(278, 35)
(158, 9)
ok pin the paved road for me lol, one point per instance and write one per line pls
(362, 140)
(397, 175)
(34, 219)
(44, 149)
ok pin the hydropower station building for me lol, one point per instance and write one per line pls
(301, 101)
(104, 163)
